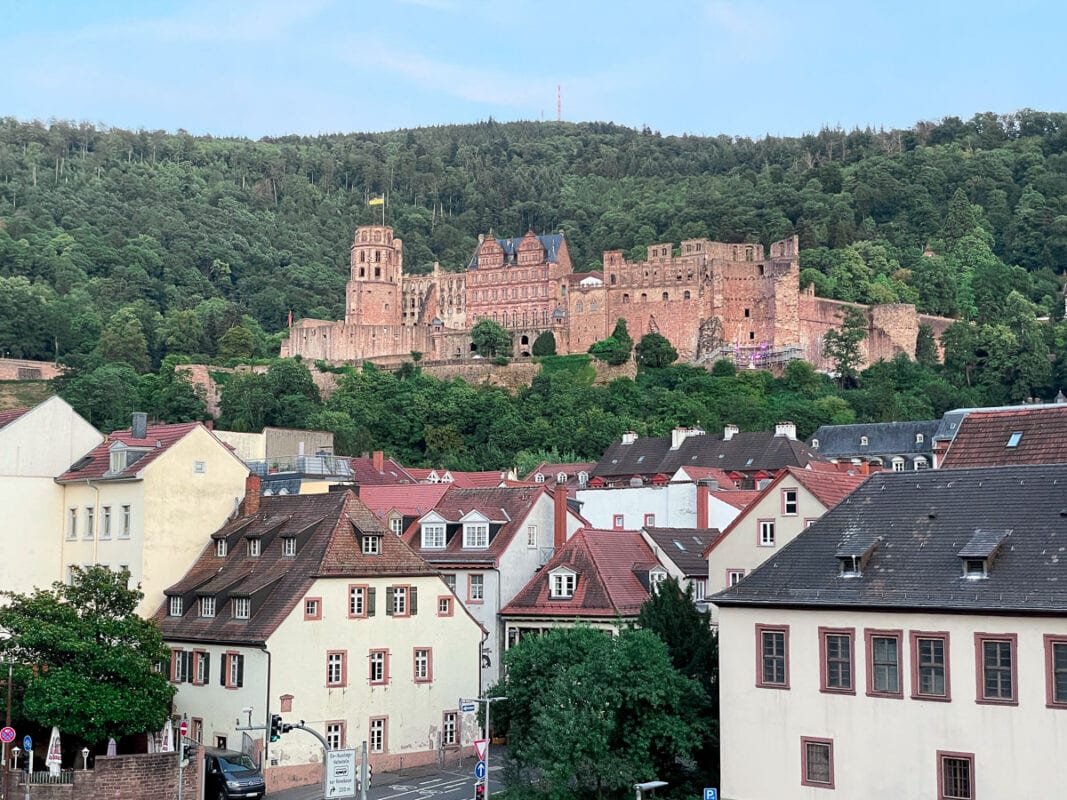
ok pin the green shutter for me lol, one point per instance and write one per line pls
(370, 602)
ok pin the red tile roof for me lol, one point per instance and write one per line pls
(708, 473)
(412, 500)
(829, 488)
(392, 473)
(984, 438)
(549, 471)
(7, 417)
(464, 480)
(607, 563)
(158, 440)
(738, 498)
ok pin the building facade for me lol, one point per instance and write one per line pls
(710, 299)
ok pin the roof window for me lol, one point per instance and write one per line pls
(1015, 438)
(854, 553)
(978, 554)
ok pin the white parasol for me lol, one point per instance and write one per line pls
(55, 753)
(112, 747)
(167, 745)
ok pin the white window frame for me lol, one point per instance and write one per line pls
(377, 666)
(450, 581)
(127, 521)
(531, 536)
(335, 669)
(357, 601)
(422, 663)
(656, 577)
(376, 737)
(288, 545)
(790, 500)
(700, 589)
(396, 525)
(207, 606)
(105, 522)
(766, 533)
(562, 584)
(448, 729)
(335, 735)
(399, 600)
(920, 463)
(433, 535)
(475, 535)
(72, 523)
(371, 545)
(242, 607)
(175, 606)
(90, 522)
(897, 464)
(253, 547)
(480, 594)
(220, 548)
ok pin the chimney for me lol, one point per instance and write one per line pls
(559, 509)
(677, 437)
(210, 424)
(786, 429)
(139, 427)
(703, 498)
(379, 461)
(250, 506)
(629, 437)
(728, 432)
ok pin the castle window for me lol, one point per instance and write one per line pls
(579, 308)
(377, 272)
(362, 272)
(666, 296)
(686, 295)
(613, 279)
(760, 269)
(626, 298)
(362, 255)
(748, 254)
(751, 334)
(748, 312)
(377, 255)
(644, 297)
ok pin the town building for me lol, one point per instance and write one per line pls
(1004, 436)
(911, 643)
(711, 300)
(487, 543)
(785, 508)
(898, 446)
(146, 499)
(672, 504)
(308, 607)
(681, 552)
(36, 445)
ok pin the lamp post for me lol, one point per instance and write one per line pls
(85, 758)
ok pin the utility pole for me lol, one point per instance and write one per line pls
(488, 704)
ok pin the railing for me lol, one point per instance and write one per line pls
(36, 778)
(545, 555)
(323, 465)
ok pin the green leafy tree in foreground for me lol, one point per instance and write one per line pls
(544, 344)
(490, 339)
(655, 350)
(85, 658)
(616, 349)
(842, 345)
(590, 715)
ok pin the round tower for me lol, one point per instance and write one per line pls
(373, 291)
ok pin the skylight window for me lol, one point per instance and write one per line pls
(1015, 438)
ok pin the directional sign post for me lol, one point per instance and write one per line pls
(341, 773)
(27, 743)
(479, 770)
(468, 708)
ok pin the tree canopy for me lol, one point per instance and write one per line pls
(85, 660)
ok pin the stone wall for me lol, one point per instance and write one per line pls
(21, 369)
(126, 777)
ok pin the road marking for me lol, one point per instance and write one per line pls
(434, 780)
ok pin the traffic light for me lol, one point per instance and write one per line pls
(275, 727)
(479, 790)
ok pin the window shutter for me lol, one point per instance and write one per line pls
(240, 670)
(413, 600)
(207, 667)
(187, 673)
(225, 669)
(390, 601)
(370, 602)
(174, 656)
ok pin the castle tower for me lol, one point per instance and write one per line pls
(373, 292)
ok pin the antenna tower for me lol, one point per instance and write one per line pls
(559, 104)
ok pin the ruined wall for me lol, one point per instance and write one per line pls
(21, 369)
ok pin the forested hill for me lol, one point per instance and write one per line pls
(103, 230)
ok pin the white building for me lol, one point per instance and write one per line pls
(911, 644)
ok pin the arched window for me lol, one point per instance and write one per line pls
(863, 441)
(626, 298)
(686, 295)
(644, 297)
(579, 308)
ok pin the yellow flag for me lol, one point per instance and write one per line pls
(377, 201)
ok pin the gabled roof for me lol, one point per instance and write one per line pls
(412, 500)
(551, 244)
(364, 472)
(505, 507)
(924, 521)
(706, 474)
(550, 471)
(1023, 435)
(841, 441)
(743, 452)
(9, 416)
(608, 564)
(738, 498)
(158, 439)
(327, 528)
(685, 547)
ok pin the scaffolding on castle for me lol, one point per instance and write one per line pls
(760, 356)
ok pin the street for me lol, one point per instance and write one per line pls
(449, 783)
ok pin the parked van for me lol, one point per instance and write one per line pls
(231, 776)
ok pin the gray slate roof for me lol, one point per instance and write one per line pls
(883, 438)
(551, 242)
(925, 521)
(685, 547)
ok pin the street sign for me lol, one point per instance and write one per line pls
(342, 773)
(7, 735)
(27, 743)
(479, 770)
(183, 728)
(711, 794)
(481, 747)
(468, 708)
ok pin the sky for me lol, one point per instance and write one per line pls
(704, 67)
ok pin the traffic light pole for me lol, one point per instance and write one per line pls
(286, 727)
(488, 704)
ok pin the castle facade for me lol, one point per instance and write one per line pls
(711, 300)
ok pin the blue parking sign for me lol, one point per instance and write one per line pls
(711, 794)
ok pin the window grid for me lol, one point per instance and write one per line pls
(734, 576)
(379, 666)
(372, 545)
(477, 588)
(312, 608)
(72, 524)
(817, 762)
(400, 601)
(336, 668)
(289, 546)
(1055, 671)
(772, 656)
(253, 548)
(955, 776)
(930, 666)
(884, 648)
(105, 523)
(207, 606)
(563, 584)
(448, 729)
(433, 536)
(531, 536)
(220, 548)
(335, 735)
(836, 660)
(242, 607)
(423, 665)
(175, 606)
(89, 522)
(377, 742)
(995, 665)
(126, 522)
(444, 606)
(476, 535)
(790, 503)
(766, 533)
(357, 601)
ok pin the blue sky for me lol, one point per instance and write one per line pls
(735, 67)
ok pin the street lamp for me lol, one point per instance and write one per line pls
(15, 757)
(85, 758)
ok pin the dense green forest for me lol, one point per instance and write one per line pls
(124, 252)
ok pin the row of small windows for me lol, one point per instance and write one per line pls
(508, 276)
(106, 522)
(475, 535)
(376, 736)
(378, 667)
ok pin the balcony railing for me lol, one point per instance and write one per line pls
(322, 466)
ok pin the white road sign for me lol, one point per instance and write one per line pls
(342, 773)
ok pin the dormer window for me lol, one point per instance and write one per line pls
(207, 605)
(253, 548)
(539, 478)
(562, 583)
(433, 535)
(241, 607)
(583, 478)
(863, 441)
(396, 525)
(476, 535)
(117, 461)
(975, 568)
(854, 553)
(656, 577)
(220, 548)
(814, 444)
(919, 439)
(372, 545)
(175, 606)
(289, 546)
(978, 554)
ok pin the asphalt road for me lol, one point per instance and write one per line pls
(449, 783)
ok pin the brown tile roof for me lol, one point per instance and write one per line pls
(608, 564)
(365, 474)
(9, 416)
(570, 470)
(829, 488)
(685, 547)
(158, 439)
(738, 498)
(413, 499)
(327, 528)
(505, 507)
(464, 480)
(708, 473)
(984, 438)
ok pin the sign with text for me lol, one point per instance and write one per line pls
(342, 773)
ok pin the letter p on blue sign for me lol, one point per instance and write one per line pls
(711, 794)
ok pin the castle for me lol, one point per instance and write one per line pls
(709, 299)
